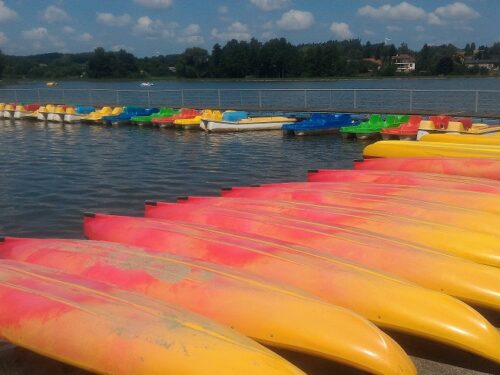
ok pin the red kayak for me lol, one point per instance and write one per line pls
(431, 212)
(363, 291)
(405, 178)
(488, 202)
(478, 246)
(483, 168)
(420, 265)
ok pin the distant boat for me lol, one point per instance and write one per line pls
(147, 84)
(51, 84)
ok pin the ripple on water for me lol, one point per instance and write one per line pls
(51, 173)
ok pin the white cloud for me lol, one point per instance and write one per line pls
(420, 28)
(268, 5)
(156, 4)
(402, 11)
(191, 35)
(192, 29)
(154, 28)
(433, 19)
(3, 38)
(6, 14)
(68, 30)
(53, 14)
(110, 19)
(236, 30)
(296, 20)
(369, 32)
(42, 39)
(85, 37)
(37, 33)
(341, 31)
(457, 12)
(223, 9)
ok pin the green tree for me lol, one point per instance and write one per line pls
(444, 66)
(126, 64)
(100, 64)
(193, 63)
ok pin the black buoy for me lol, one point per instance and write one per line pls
(150, 203)
(227, 189)
(89, 214)
(182, 198)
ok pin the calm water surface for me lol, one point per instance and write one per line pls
(483, 83)
(51, 173)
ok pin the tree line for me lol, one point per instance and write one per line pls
(276, 58)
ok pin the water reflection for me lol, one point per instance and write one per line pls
(51, 173)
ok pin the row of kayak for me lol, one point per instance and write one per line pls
(318, 267)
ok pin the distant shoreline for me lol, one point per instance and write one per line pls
(10, 81)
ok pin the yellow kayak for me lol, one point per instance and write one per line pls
(110, 331)
(401, 149)
(464, 139)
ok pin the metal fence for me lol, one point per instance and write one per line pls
(467, 102)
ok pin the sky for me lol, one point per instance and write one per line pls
(153, 27)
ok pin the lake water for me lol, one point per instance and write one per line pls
(483, 83)
(51, 173)
(357, 95)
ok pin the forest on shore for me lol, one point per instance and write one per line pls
(276, 58)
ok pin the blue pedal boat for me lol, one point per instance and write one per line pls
(320, 123)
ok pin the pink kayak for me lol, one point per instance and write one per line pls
(478, 246)
(430, 212)
(364, 291)
(489, 202)
(405, 178)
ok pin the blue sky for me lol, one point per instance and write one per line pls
(150, 27)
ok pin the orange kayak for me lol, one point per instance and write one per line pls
(364, 291)
(479, 246)
(472, 167)
(434, 212)
(91, 325)
(488, 202)
(279, 315)
(478, 284)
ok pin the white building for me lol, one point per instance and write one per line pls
(404, 63)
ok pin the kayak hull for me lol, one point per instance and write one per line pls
(280, 316)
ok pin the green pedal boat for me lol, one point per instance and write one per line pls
(371, 129)
(148, 120)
